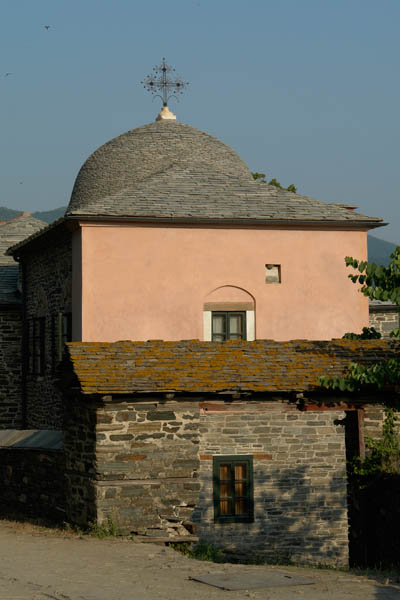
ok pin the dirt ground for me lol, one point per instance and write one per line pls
(41, 564)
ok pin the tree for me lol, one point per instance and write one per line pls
(262, 178)
(378, 283)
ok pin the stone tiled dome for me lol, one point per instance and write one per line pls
(138, 155)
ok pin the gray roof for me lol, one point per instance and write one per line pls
(11, 233)
(139, 154)
(171, 171)
(31, 438)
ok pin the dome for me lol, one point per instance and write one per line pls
(123, 164)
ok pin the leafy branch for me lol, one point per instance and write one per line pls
(383, 454)
(378, 282)
(378, 375)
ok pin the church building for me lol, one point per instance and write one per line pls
(174, 325)
(167, 236)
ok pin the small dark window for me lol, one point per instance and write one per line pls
(61, 332)
(233, 489)
(37, 345)
(228, 325)
(64, 332)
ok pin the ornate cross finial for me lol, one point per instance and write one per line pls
(163, 85)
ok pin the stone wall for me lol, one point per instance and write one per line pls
(32, 482)
(384, 317)
(135, 462)
(48, 292)
(149, 468)
(300, 508)
(80, 461)
(10, 368)
(374, 417)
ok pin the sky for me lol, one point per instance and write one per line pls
(306, 91)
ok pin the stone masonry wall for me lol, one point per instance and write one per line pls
(48, 292)
(299, 480)
(32, 482)
(79, 438)
(374, 417)
(384, 321)
(10, 368)
(147, 466)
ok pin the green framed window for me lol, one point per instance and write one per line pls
(228, 325)
(233, 489)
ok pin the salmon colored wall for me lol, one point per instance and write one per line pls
(148, 282)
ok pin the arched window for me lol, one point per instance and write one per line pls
(229, 314)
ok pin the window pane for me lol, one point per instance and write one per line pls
(225, 489)
(240, 471)
(235, 324)
(218, 324)
(240, 489)
(240, 506)
(218, 338)
(225, 507)
(225, 472)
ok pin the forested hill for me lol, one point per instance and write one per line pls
(379, 251)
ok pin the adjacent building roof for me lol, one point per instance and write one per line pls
(15, 230)
(12, 232)
(232, 366)
(31, 438)
(169, 170)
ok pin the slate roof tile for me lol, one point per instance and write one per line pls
(191, 366)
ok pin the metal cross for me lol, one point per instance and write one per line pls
(163, 85)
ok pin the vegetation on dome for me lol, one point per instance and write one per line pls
(261, 177)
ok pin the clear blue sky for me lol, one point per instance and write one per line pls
(307, 91)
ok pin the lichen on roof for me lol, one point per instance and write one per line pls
(192, 366)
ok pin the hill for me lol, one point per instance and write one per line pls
(379, 251)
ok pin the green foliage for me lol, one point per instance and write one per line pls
(259, 177)
(368, 333)
(376, 375)
(383, 455)
(275, 183)
(262, 178)
(378, 282)
(107, 528)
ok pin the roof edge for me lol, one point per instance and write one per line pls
(359, 224)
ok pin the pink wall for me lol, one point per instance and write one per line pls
(148, 282)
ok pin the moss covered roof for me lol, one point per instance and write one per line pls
(192, 366)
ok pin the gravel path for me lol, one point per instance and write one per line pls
(40, 564)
